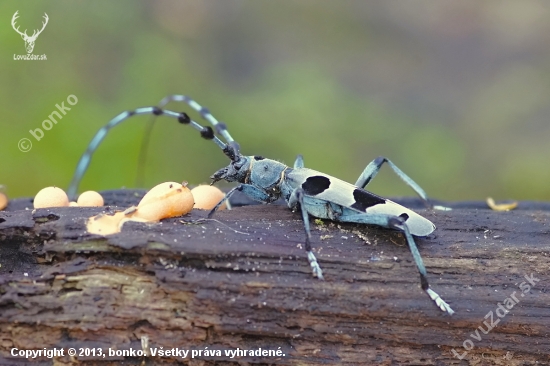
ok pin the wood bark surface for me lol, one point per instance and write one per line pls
(244, 282)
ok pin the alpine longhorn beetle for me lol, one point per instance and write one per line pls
(312, 192)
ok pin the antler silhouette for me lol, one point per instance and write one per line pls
(29, 41)
(13, 19)
(43, 26)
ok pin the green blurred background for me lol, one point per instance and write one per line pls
(454, 92)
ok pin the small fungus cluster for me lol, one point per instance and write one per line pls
(165, 200)
(56, 197)
(207, 197)
(3, 201)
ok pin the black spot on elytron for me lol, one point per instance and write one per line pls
(315, 185)
(258, 157)
(364, 200)
(404, 216)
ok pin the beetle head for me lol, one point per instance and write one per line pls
(236, 171)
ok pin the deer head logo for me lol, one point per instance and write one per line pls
(29, 41)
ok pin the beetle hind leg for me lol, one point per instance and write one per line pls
(398, 223)
(299, 162)
(374, 167)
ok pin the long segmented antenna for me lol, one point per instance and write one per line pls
(220, 128)
(85, 159)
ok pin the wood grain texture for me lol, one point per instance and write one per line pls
(183, 285)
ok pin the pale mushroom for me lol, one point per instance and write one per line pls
(51, 197)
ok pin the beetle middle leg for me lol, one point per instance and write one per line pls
(297, 197)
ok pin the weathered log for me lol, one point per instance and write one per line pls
(244, 282)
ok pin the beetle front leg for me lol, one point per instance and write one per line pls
(251, 191)
(297, 197)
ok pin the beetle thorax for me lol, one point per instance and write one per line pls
(264, 173)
